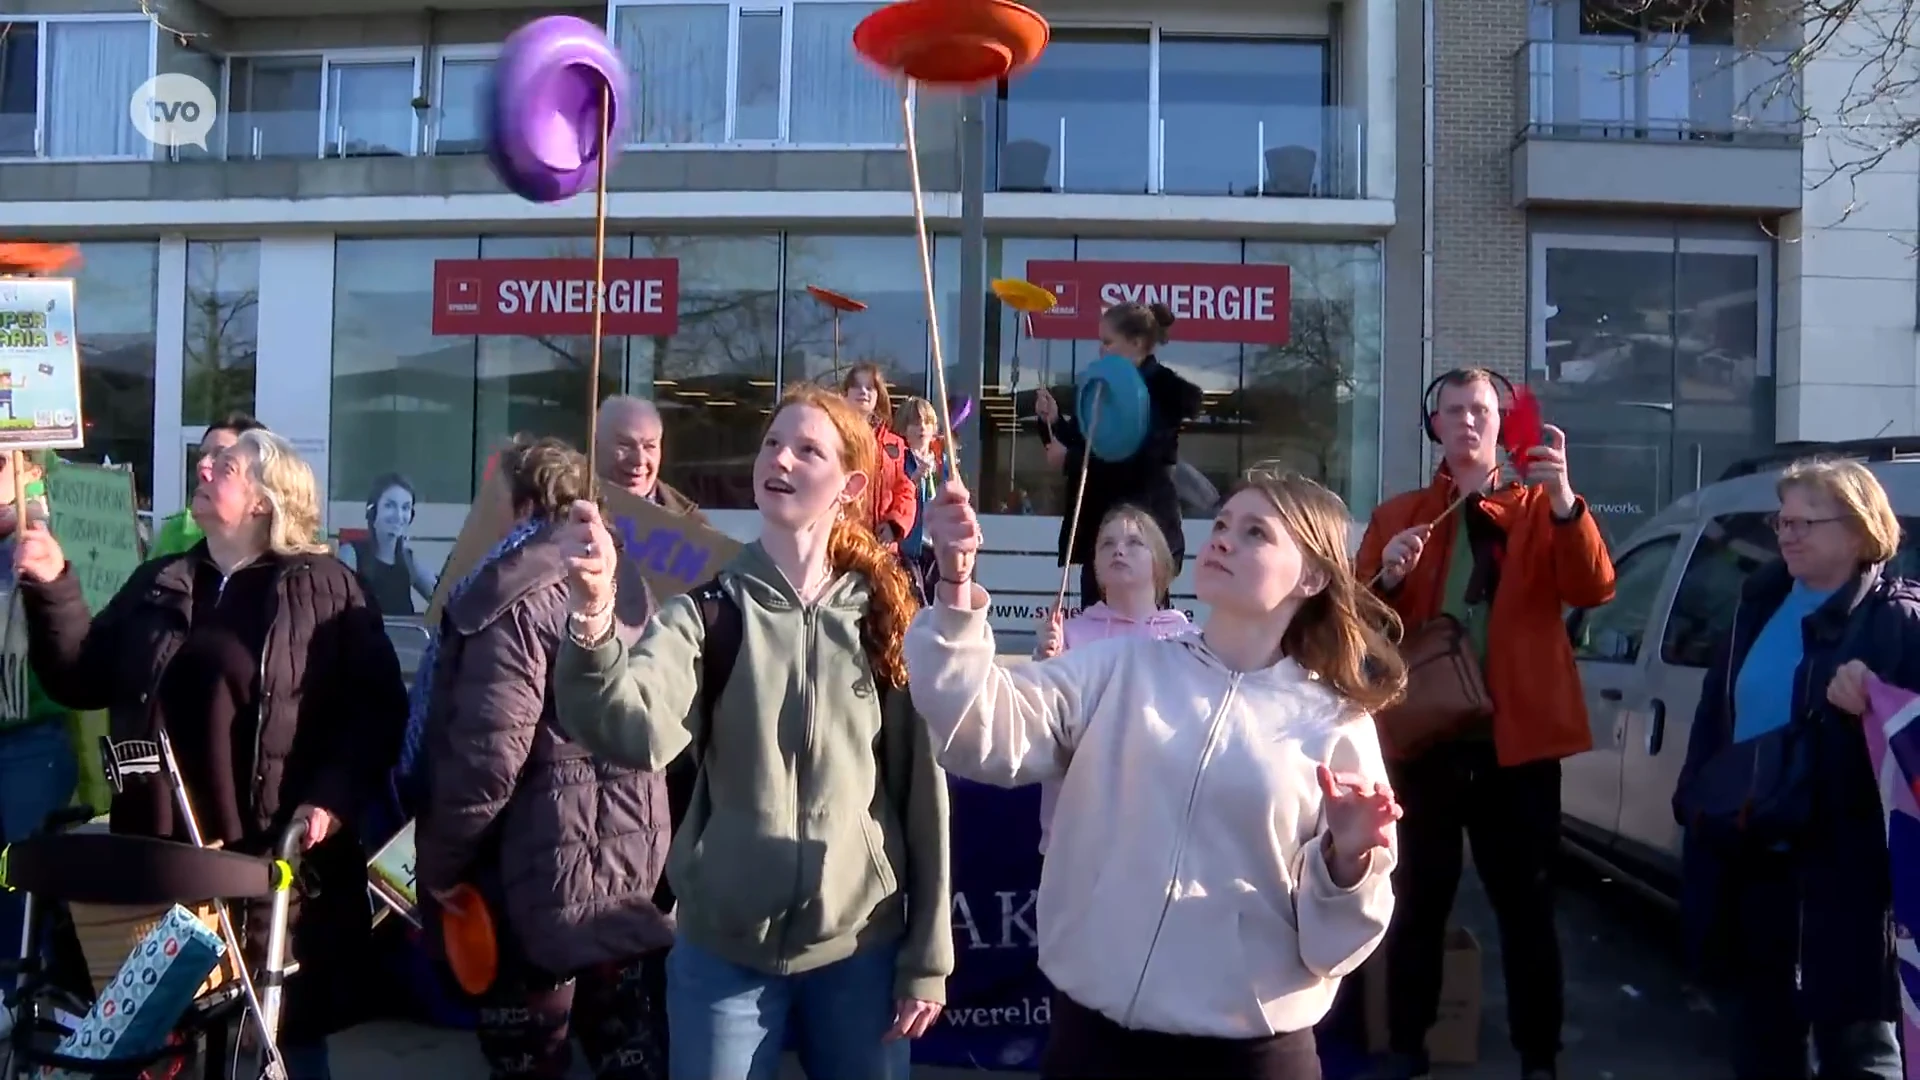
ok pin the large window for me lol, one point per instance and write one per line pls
(458, 126)
(539, 384)
(1125, 112)
(65, 84)
(753, 72)
(717, 379)
(355, 103)
(1311, 405)
(116, 289)
(222, 329)
(403, 399)
(882, 272)
(1655, 355)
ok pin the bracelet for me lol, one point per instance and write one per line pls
(593, 640)
(593, 613)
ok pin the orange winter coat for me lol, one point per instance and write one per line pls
(1549, 566)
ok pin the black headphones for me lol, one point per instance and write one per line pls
(1429, 401)
(385, 484)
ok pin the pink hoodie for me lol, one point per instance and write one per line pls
(1099, 623)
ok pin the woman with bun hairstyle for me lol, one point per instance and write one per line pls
(1146, 479)
(811, 865)
(893, 504)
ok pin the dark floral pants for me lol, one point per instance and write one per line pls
(617, 1011)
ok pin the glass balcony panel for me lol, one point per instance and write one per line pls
(1656, 88)
(1080, 119)
(1245, 117)
(370, 109)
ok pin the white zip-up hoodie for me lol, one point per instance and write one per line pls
(1185, 890)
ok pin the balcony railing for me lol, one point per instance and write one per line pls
(1281, 151)
(1649, 90)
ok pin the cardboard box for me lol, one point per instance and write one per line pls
(1455, 1038)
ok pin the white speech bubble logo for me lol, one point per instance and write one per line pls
(173, 110)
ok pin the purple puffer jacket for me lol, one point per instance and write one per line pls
(576, 846)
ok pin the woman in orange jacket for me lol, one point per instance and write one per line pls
(895, 503)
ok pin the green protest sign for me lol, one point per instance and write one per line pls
(93, 518)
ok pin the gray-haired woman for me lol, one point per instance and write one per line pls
(257, 654)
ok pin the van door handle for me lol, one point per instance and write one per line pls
(1657, 728)
(1610, 694)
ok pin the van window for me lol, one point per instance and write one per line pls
(1612, 632)
(1731, 547)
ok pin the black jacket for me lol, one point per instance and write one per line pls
(332, 711)
(1144, 480)
(1842, 874)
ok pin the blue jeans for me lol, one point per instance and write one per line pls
(37, 776)
(727, 1022)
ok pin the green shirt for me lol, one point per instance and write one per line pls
(1453, 599)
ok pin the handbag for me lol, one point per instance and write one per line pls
(1446, 691)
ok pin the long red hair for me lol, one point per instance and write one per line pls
(852, 547)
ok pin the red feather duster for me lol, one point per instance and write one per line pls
(1522, 428)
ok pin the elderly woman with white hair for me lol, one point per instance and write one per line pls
(257, 653)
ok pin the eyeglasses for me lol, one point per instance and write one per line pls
(1795, 526)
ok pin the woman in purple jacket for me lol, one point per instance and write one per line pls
(567, 850)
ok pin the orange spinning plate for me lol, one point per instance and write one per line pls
(956, 43)
(1024, 295)
(834, 300)
(36, 259)
(466, 930)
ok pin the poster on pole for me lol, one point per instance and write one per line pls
(39, 366)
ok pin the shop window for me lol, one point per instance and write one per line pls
(1654, 354)
(716, 380)
(115, 291)
(1310, 405)
(222, 329)
(538, 385)
(403, 399)
(882, 272)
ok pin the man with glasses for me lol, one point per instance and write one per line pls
(1502, 559)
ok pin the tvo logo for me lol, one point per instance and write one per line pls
(173, 110)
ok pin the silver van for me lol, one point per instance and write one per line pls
(1643, 656)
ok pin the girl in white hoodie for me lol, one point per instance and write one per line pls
(1133, 569)
(1222, 851)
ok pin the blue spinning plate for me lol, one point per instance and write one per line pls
(1113, 408)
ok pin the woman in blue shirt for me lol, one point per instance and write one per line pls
(1806, 898)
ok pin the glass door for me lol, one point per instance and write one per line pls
(370, 105)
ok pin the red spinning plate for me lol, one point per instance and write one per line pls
(955, 43)
(31, 259)
(834, 300)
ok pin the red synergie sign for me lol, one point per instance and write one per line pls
(1234, 303)
(548, 297)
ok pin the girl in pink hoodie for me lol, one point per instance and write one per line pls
(1133, 566)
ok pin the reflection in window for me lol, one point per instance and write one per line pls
(715, 380)
(1079, 119)
(882, 272)
(370, 109)
(114, 313)
(1242, 117)
(1311, 405)
(1653, 355)
(403, 399)
(756, 91)
(680, 53)
(1614, 631)
(538, 385)
(222, 329)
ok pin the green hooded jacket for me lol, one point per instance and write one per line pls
(818, 826)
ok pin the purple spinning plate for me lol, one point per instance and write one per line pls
(546, 114)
